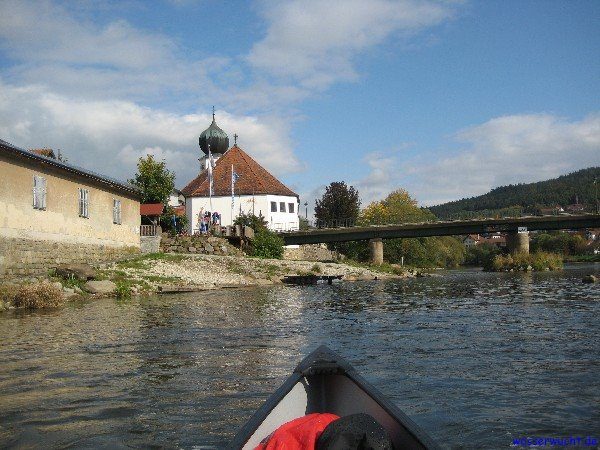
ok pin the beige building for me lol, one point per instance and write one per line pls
(52, 213)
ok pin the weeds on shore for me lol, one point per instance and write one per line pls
(526, 261)
(32, 296)
(123, 290)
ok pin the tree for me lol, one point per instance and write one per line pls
(339, 203)
(154, 180)
(397, 207)
(257, 223)
(172, 222)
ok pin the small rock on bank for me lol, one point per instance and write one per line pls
(589, 279)
(81, 272)
(100, 287)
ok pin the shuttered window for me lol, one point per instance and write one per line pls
(39, 192)
(117, 211)
(84, 196)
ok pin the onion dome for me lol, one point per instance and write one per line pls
(215, 137)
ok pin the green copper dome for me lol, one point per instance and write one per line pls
(215, 137)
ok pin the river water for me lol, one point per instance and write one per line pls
(477, 359)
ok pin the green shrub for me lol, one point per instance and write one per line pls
(123, 290)
(543, 260)
(33, 296)
(522, 261)
(257, 223)
(316, 269)
(559, 242)
(481, 255)
(267, 244)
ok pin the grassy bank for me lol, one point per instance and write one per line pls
(149, 274)
(583, 258)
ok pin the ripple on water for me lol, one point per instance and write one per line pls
(475, 358)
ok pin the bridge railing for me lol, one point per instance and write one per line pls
(335, 223)
(350, 222)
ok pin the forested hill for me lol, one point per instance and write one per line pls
(527, 198)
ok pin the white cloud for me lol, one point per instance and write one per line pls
(504, 150)
(316, 42)
(72, 54)
(80, 80)
(45, 32)
(109, 135)
(383, 171)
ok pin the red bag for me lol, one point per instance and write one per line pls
(298, 434)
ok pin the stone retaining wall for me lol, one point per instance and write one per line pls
(208, 245)
(33, 258)
(309, 252)
(150, 244)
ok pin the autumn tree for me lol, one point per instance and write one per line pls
(397, 207)
(154, 180)
(339, 202)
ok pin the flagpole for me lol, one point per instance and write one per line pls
(232, 195)
(210, 179)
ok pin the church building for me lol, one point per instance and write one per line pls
(240, 185)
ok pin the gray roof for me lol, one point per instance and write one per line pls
(106, 182)
(214, 137)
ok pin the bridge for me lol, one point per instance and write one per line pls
(517, 230)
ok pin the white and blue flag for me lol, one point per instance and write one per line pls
(234, 178)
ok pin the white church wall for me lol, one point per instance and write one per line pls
(283, 219)
(247, 204)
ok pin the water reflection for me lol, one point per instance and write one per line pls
(475, 358)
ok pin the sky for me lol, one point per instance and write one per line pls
(446, 99)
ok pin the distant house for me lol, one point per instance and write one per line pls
(575, 208)
(52, 212)
(551, 211)
(497, 240)
(176, 198)
(472, 240)
(47, 152)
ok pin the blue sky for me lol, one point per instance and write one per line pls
(445, 99)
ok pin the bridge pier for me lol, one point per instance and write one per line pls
(517, 242)
(376, 248)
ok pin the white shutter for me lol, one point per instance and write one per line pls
(83, 202)
(43, 193)
(35, 197)
(39, 192)
(117, 211)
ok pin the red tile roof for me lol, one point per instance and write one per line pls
(179, 210)
(254, 179)
(151, 209)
